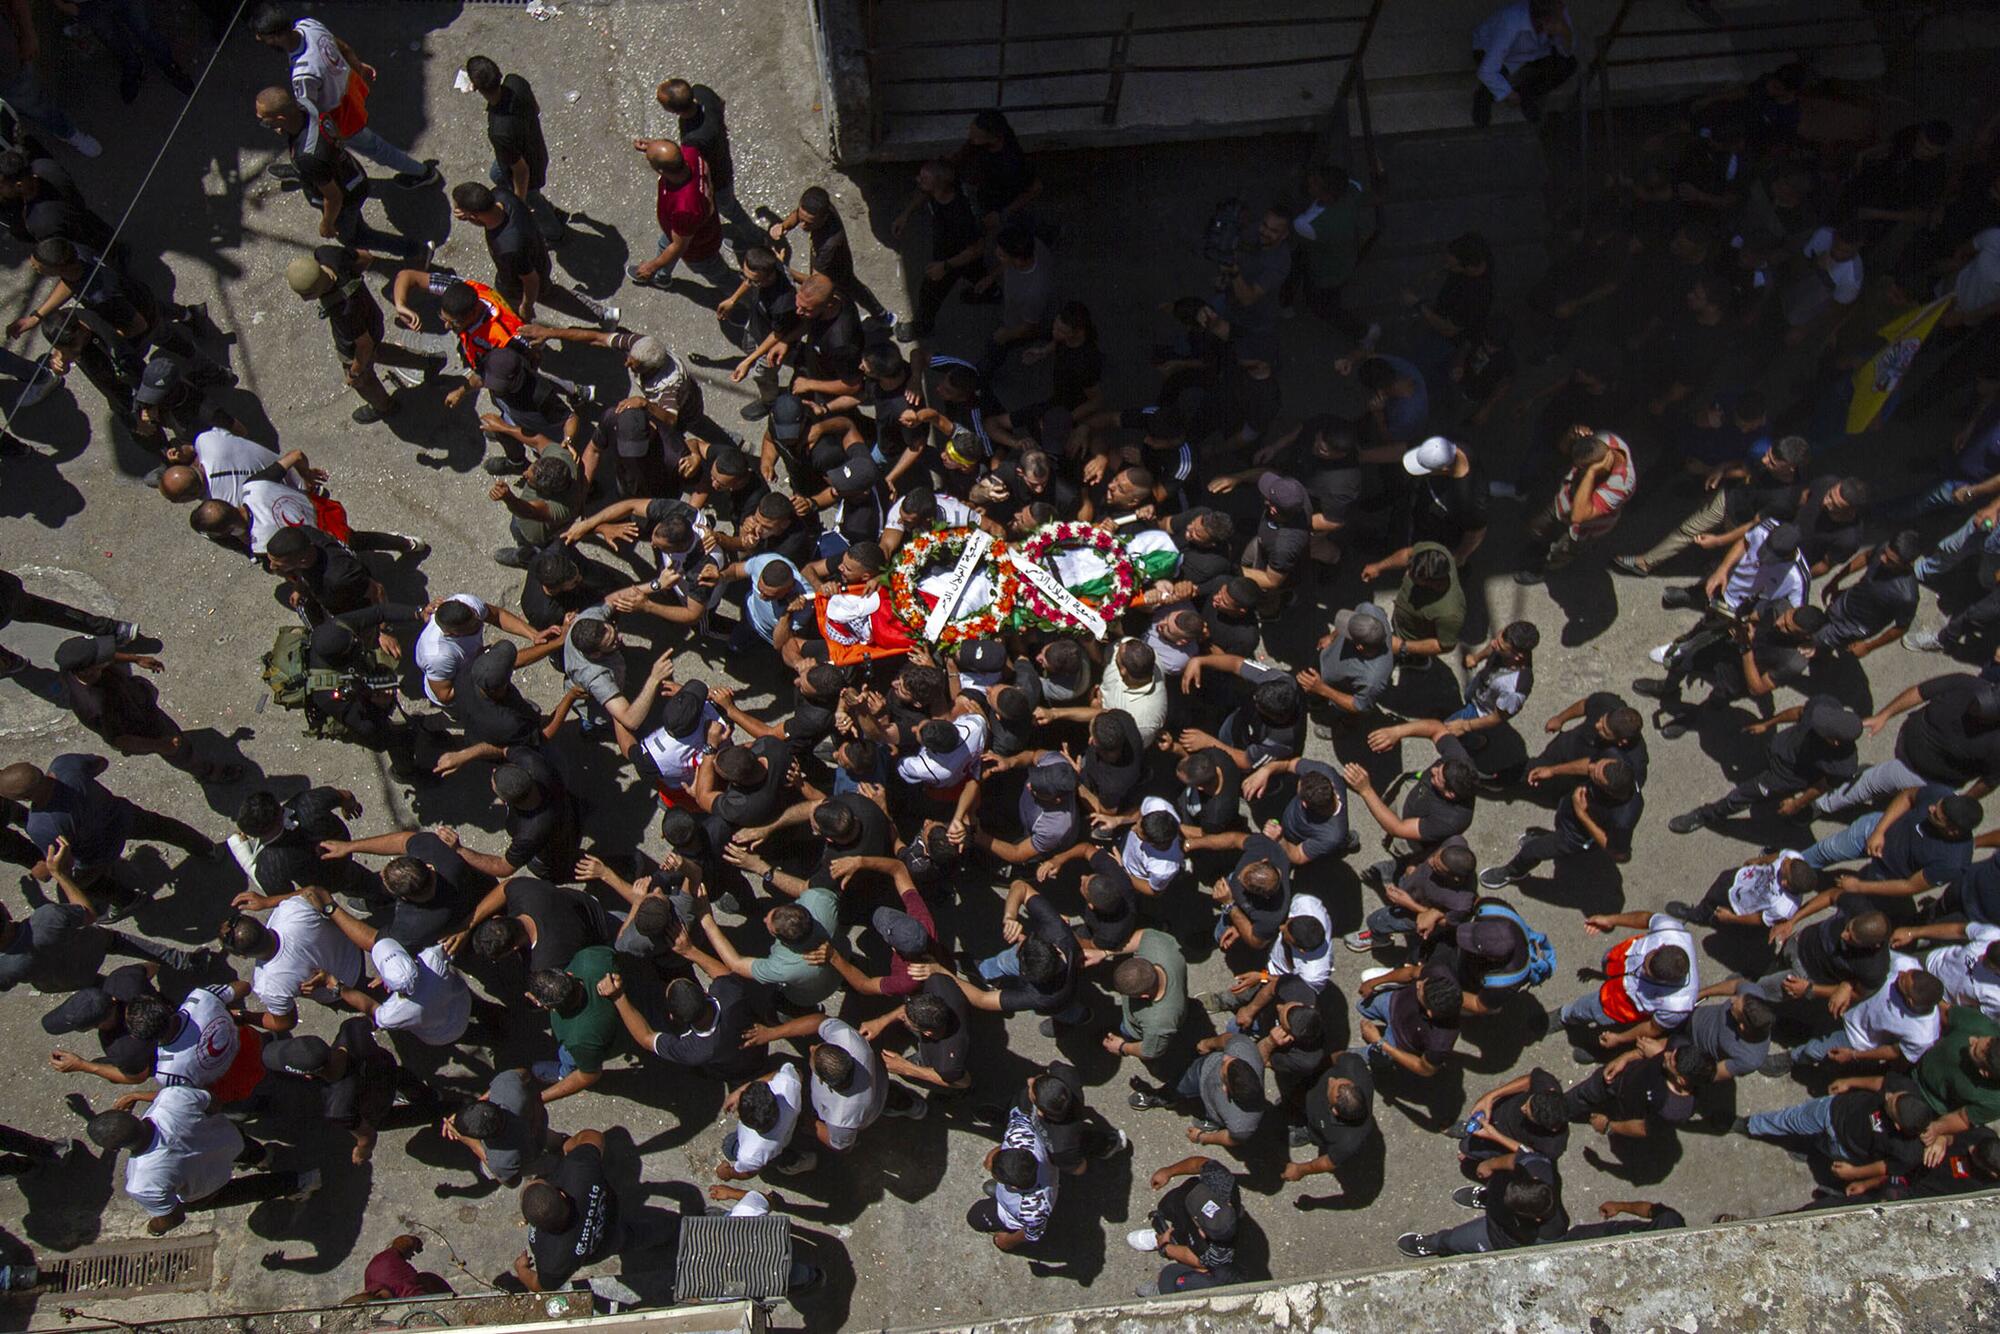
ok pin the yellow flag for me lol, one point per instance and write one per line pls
(1880, 374)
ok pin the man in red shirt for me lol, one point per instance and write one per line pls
(690, 228)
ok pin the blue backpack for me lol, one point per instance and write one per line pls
(1541, 965)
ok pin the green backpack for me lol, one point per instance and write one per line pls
(293, 683)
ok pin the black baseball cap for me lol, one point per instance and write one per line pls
(855, 476)
(683, 708)
(505, 371)
(1213, 1215)
(984, 656)
(787, 422)
(634, 433)
(162, 373)
(73, 655)
(900, 931)
(1052, 779)
(297, 1056)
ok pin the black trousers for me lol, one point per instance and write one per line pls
(18, 604)
(1532, 82)
(931, 295)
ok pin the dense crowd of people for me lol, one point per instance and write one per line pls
(1134, 786)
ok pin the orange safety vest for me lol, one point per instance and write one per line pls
(499, 328)
(1613, 996)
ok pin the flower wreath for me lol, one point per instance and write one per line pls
(943, 546)
(1120, 582)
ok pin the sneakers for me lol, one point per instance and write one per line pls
(607, 319)
(414, 548)
(1688, 823)
(124, 633)
(410, 376)
(1361, 942)
(1416, 1245)
(502, 466)
(755, 410)
(1658, 656)
(1629, 565)
(84, 144)
(909, 331)
(1652, 687)
(1298, 1137)
(1778, 1063)
(1117, 1144)
(1924, 641)
(417, 180)
(1470, 1197)
(368, 414)
(548, 1072)
(1370, 974)
(632, 274)
(1501, 876)
(1143, 1239)
(916, 1109)
(1692, 914)
(514, 558)
(805, 1163)
(1145, 1100)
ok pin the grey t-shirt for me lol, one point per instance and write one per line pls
(850, 1111)
(1049, 828)
(1215, 1103)
(1029, 296)
(602, 678)
(54, 950)
(1710, 1030)
(509, 1153)
(1350, 673)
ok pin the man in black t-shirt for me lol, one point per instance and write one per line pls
(435, 890)
(1525, 1114)
(572, 1216)
(1812, 755)
(957, 243)
(38, 200)
(335, 277)
(549, 922)
(330, 179)
(524, 272)
(520, 153)
(700, 123)
(1953, 737)
(1869, 1135)
(1771, 647)
(1340, 1116)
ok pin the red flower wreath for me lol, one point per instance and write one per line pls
(1123, 574)
(944, 545)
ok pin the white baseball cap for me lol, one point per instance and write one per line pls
(1433, 455)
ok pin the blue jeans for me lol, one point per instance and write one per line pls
(1007, 963)
(24, 92)
(1961, 542)
(564, 1066)
(130, 37)
(1850, 844)
(377, 149)
(1586, 1009)
(1811, 1120)
(1464, 713)
(1376, 1010)
(1917, 504)
(715, 268)
(1814, 1052)
(1189, 1085)
(1390, 922)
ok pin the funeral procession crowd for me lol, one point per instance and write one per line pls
(1030, 682)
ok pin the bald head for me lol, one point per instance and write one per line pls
(212, 518)
(815, 294)
(19, 782)
(276, 103)
(666, 159)
(181, 484)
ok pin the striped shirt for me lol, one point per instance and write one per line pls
(1613, 489)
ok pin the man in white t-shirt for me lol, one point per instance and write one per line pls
(1153, 864)
(427, 998)
(1968, 964)
(1650, 984)
(850, 1088)
(454, 633)
(298, 942)
(201, 1041)
(1831, 281)
(767, 1112)
(1763, 892)
(183, 1156)
(226, 461)
(1894, 1027)
(947, 753)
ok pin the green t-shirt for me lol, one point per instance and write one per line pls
(1332, 250)
(785, 968)
(1946, 1074)
(589, 1034)
(1424, 613)
(1155, 1023)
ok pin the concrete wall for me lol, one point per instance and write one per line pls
(1916, 1266)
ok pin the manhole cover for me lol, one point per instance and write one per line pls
(135, 1268)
